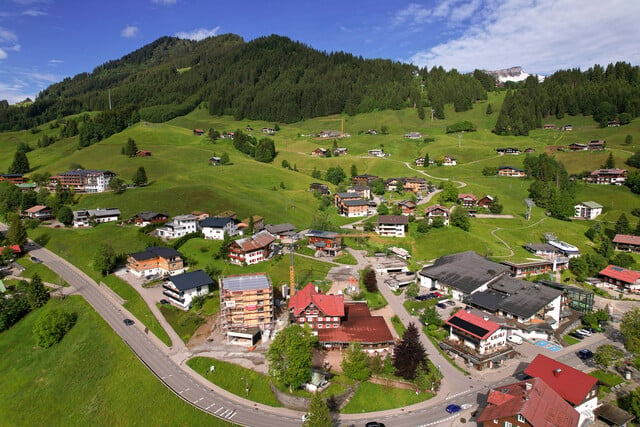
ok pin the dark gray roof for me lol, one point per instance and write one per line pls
(215, 222)
(487, 300)
(322, 234)
(348, 195)
(154, 251)
(465, 271)
(524, 298)
(280, 228)
(193, 279)
(539, 247)
(245, 282)
(356, 202)
(148, 215)
(393, 219)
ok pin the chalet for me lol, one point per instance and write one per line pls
(437, 211)
(216, 228)
(364, 179)
(252, 249)
(281, 231)
(392, 225)
(461, 274)
(596, 145)
(467, 200)
(549, 126)
(371, 132)
(143, 153)
(319, 188)
(354, 208)
(329, 242)
(511, 171)
(419, 162)
(182, 288)
(478, 340)
(330, 134)
(258, 223)
(155, 260)
(83, 180)
(84, 217)
(340, 151)
(621, 279)
(567, 127)
(577, 147)
(414, 184)
(613, 124)
(508, 150)
(198, 132)
(587, 210)
(13, 178)
(319, 152)
(246, 306)
(215, 161)
(147, 217)
(392, 184)
(627, 242)
(319, 311)
(521, 403)
(542, 249)
(268, 131)
(39, 212)
(574, 386)
(449, 161)
(485, 202)
(249, 129)
(413, 135)
(608, 176)
(407, 207)
(364, 191)
(181, 225)
(376, 152)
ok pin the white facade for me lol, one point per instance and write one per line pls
(187, 295)
(97, 183)
(496, 340)
(588, 210)
(390, 230)
(217, 233)
(180, 226)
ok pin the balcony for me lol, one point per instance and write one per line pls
(173, 296)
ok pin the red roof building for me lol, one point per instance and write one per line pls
(358, 325)
(572, 385)
(308, 306)
(14, 248)
(467, 199)
(627, 242)
(527, 403)
(437, 211)
(253, 249)
(621, 278)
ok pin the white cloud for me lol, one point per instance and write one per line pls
(34, 12)
(3, 54)
(7, 36)
(413, 14)
(541, 36)
(199, 34)
(16, 85)
(129, 31)
(54, 62)
(164, 2)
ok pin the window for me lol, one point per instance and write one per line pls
(521, 419)
(320, 326)
(507, 424)
(335, 325)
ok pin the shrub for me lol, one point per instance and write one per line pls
(52, 326)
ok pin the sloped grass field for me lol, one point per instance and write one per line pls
(90, 378)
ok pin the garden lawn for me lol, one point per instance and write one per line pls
(232, 378)
(375, 397)
(185, 323)
(47, 276)
(607, 378)
(90, 378)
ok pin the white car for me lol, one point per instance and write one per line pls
(584, 332)
(515, 339)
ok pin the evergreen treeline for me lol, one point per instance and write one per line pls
(270, 78)
(263, 150)
(607, 94)
(552, 188)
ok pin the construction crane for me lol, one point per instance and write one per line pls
(292, 272)
(341, 124)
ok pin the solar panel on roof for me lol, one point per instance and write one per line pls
(468, 326)
(617, 268)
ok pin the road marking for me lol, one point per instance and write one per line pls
(196, 401)
(207, 408)
(233, 414)
(219, 409)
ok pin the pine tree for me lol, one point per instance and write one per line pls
(318, 415)
(105, 259)
(37, 294)
(370, 281)
(409, 353)
(16, 234)
(224, 158)
(355, 363)
(622, 225)
(130, 148)
(20, 163)
(610, 163)
(354, 170)
(140, 177)
(65, 215)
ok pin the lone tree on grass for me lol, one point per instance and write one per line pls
(105, 259)
(16, 234)
(409, 354)
(370, 282)
(319, 415)
(37, 294)
(130, 148)
(622, 225)
(140, 177)
(607, 355)
(52, 326)
(355, 363)
(20, 163)
(290, 356)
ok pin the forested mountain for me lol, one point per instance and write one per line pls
(270, 78)
(607, 94)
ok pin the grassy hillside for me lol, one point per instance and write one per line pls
(86, 379)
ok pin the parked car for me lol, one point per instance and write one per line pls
(422, 297)
(438, 294)
(516, 339)
(35, 259)
(164, 302)
(584, 332)
(585, 354)
(577, 334)
(128, 322)
(451, 302)
(452, 409)
(441, 305)
(374, 424)
(593, 331)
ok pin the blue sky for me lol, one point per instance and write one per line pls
(44, 41)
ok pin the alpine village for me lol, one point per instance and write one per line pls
(222, 232)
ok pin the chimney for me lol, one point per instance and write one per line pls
(528, 386)
(486, 318)
(556, 372)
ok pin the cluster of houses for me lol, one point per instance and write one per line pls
(325, 152)
(443, 161)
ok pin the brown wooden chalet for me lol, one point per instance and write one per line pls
(328, 242)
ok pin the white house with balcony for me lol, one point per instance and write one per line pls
(181, 225)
